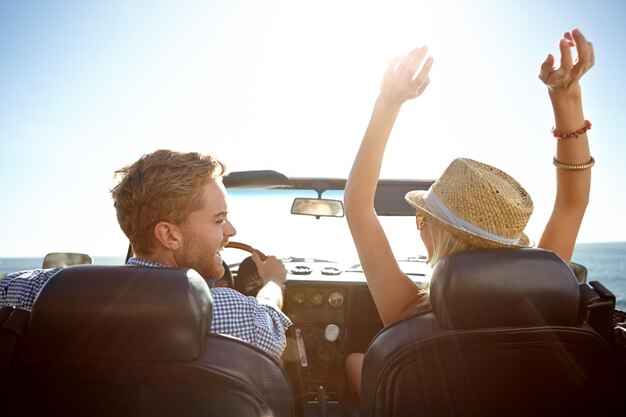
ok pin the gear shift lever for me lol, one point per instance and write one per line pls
(331, 333)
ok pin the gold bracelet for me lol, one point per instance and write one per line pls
(571, 167)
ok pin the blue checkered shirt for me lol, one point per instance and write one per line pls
(258, 322)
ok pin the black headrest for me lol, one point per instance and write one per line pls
(121, 312)
(505, 287)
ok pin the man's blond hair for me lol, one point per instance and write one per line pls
(161, 186)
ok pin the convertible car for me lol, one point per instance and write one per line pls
(511, 332)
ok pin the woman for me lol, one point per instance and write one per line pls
(452, 216)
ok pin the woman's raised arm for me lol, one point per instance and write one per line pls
(393, 292)
(572, 160)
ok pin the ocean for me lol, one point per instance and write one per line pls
(21, 264)
(605, 262)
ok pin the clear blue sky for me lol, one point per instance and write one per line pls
(87, 87)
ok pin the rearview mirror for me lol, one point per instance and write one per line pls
(317, 207)
(63, 259)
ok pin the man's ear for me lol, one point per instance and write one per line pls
(168, 235)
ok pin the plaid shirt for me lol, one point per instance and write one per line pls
(258, 322)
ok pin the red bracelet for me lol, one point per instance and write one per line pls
(573, 133)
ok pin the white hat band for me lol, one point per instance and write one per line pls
(439, 209)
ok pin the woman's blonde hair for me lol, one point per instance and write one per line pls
(443, 244)
(161, 186)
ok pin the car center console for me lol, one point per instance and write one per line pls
(331, 318)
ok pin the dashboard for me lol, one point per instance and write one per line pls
(333, 315)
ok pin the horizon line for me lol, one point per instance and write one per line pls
(124, 255)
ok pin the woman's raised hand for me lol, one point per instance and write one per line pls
(569, 72)
(402, 81)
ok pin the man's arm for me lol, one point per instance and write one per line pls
(257, 321)
(274, 275)
(20, 289)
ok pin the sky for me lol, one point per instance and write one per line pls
(88, 87)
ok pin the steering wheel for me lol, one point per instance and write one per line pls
(226, 280)
(247, 281)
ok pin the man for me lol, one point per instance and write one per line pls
(172, 207)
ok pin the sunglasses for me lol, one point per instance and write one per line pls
(420, 221)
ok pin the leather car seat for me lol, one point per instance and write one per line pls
(131, 341)
(506, 337)
(12, 322)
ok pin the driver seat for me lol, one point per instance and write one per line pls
(132, 341)
(505, 337)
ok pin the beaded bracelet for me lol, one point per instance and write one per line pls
(574, 133)
(571, 167)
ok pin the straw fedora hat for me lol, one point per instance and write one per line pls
(477, 203)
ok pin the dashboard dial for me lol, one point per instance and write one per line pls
(317, 299)
(335, 299)
(298, 298)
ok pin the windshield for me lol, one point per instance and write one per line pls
(263, 219)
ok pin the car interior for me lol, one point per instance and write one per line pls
(511, 332)
(109, 340)
(505, 337)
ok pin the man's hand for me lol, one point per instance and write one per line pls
(274, 274)
(272, 269)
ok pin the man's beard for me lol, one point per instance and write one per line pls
(202, 264)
